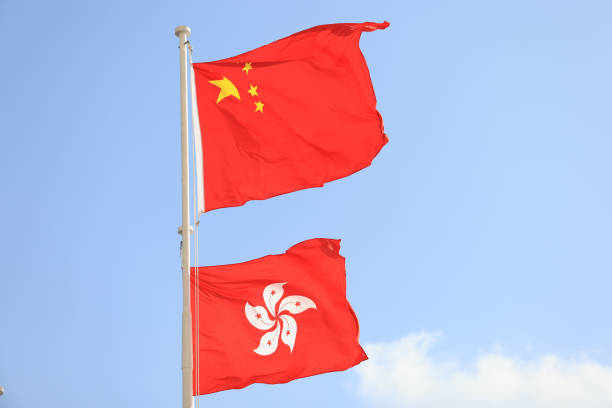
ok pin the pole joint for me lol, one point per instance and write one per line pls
(180, 229)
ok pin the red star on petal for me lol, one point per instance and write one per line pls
(288, 332)
(269, 343)
(297, 303)
(273, 292)
(258, 315)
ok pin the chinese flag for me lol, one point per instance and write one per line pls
(293, 114)
(273, 319)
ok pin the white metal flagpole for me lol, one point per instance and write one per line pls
(182, 32)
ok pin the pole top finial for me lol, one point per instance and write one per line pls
(182, 29)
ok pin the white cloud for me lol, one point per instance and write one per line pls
(404, 374)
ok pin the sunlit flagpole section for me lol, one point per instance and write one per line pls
(182, 32)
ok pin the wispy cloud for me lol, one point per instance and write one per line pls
(404, 374)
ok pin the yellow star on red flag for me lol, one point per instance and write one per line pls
(227, 88)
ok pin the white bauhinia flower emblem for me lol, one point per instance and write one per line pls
(284, 325)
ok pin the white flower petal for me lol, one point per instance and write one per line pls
(268, 342)
(289, 330)
(296, 304)
(258, 317)
(271, 294)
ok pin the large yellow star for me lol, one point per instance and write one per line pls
(227, 88)
(253, 90)
(259, 106)
(247, 67)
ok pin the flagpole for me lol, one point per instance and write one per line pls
(182, 32)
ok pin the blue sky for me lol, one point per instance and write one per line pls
(477, 243)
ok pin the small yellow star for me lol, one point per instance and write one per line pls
(259, 106)
(253, 90)
(247, 67)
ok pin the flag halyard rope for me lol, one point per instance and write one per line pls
(196, 223)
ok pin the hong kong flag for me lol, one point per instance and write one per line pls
(273, 319)
(293, 114)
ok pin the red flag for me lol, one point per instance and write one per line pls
(273, 319)
(293, 114)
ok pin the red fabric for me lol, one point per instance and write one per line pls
(325, 336)
(318, 123)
